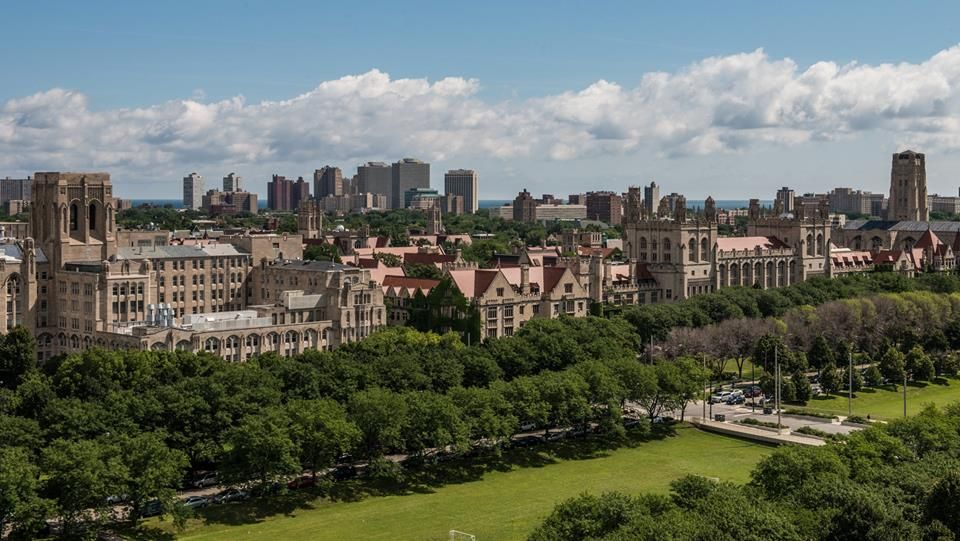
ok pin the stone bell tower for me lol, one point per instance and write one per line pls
(73, 216)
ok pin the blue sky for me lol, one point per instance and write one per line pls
(521, 67)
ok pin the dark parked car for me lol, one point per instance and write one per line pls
(555, 436)
(151, 509)
(525, 441)
(630, 422)
(344, 471)
(304, 481)
(231, 495)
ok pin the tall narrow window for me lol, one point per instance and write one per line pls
(73, 217)
(92, 218)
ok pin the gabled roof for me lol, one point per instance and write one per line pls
(928, 240)
(473, 283)
(428, 259)
(424, 284)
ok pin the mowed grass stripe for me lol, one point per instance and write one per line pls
(501, 505)
(885, 403)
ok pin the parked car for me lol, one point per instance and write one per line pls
(720, 397)
(344, 471)
(195, 502)
(736, 399)
(630, 422)
(151, 509)
(525, 441)
(579, 431)
(527, 426)
(231, 495)
(206, 480)
(117, 499)
(663, 420)
(304, 481)
(753, 392)
(555, 436)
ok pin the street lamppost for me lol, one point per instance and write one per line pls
(776, 368)
(850, 384)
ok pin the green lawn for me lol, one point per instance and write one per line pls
(885, 403)
(498, 503)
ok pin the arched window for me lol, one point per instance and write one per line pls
(810, 248)
(692, 249)
(819, 244)
(704, 254)
(73, 217)
(643, 243)
(92, 217)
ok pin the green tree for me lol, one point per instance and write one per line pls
(434, 421)
(821, 354)
(892, 365)
(857, 378)
(382, 417)
(21, 507)
(80, 476)
(321, 432)
(322, 252)
(18, 354)
(830, 379)
(153, 470)
(943, 502)
(919, 365)
(803, 391)
(873, 377)
(261, 449)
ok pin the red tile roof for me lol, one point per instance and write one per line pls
(929, 239)
(428, 259)
(405, 281)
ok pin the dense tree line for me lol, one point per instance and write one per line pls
(656, 321)
(89, 427)
(897, 481)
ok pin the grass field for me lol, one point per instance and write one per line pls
(885, 403)
(504, 501)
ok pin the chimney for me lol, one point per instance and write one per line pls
(632, 264)
(525, 279)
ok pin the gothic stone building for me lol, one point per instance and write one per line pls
(680, 256)
(75, 286)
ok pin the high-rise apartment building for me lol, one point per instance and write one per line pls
(651, 198)
(232, 183)
(908, 187)
(192, 191)
(850, 201)
(524, 207)
(408, 173)
(577, 199)
(606, 207)
(786, 198)
(327, 180)
(284, 194)
(376, 178)
(463, 182)
(15, 189)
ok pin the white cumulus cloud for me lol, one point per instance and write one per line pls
(716, 105)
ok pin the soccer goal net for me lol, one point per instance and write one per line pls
(461, 536)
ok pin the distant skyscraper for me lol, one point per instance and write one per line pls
(786, 196)
(525, 207)
(463, 182)
(651, 198)
(327, 180)
(232, 183)
(606, 207)
(376, 177)
(908, 187)
(406, 174)
(15, 189)
(283, 194)
(193, 191)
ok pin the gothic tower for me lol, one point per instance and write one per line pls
(310, 219)
(908, 188)
(73, 217)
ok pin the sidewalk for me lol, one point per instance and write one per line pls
(754, 433)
